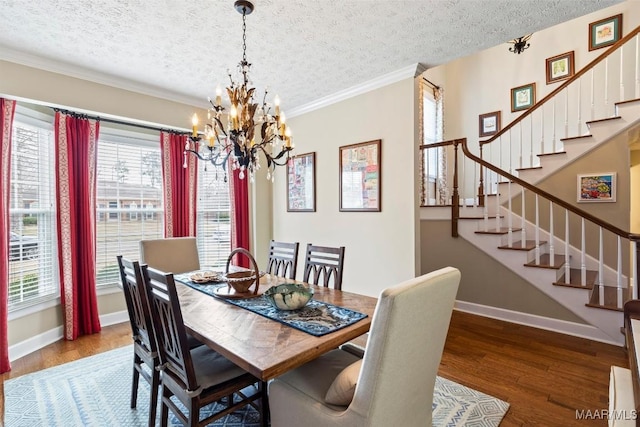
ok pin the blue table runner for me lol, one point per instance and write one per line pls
(316, 318)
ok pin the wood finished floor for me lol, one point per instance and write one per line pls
(544, 376)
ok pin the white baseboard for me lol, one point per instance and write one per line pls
(535, 321)
(35, 343)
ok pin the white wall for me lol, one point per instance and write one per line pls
(381, 247)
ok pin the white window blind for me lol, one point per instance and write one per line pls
(213, 217)
(33, 276)
(129, 197)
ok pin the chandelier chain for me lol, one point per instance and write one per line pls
(244, 35)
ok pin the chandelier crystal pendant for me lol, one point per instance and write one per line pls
(236, 142)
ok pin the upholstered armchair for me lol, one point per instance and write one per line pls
(393, 385)
(171, 255)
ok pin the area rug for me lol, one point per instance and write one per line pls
(95, 391)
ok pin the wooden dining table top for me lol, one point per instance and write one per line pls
(264, 347)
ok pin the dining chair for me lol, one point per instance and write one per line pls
(323, 265)
(145, 350)
(283, 258)
(172, 255)
(197, 377)
(393, 384)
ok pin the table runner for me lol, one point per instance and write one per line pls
(316, 318)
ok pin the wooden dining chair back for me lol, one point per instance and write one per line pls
(196, 377)
(145, 351)
(323, 266)
(283, 259)
(171, 255)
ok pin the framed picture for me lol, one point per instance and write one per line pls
(360, 177)
(523, 97)
(489, 123)
(560, 67)
(597, 187)
(605, 32)
(301, 183)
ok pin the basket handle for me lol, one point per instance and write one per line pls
(253, 261)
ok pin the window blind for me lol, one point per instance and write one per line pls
(213, 224)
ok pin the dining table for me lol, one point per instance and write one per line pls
(264, 347)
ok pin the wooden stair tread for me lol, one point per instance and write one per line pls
(603, 120)
(545, 262)
(571, 138)
(551, 154)
(501, 230)
(575, 279)
(526, 169)
(518, 246)
(628, 101)
(610, 298)
(479, 217)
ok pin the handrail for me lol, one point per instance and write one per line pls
(586, 215)
(575, 77)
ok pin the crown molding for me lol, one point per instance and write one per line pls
(369, 85)
(59, 67)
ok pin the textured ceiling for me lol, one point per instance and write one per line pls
(303, 49)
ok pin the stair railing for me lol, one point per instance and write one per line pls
(626, 285)
(591, 93)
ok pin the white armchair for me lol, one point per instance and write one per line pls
(171, 255)
(394, 385)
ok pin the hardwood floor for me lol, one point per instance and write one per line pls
(544, 376)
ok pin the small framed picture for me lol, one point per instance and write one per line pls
(605, 32)
(360, 177)
(560, 67)
(489, 123)
(597, 187)
(523, 97)
(301, 183)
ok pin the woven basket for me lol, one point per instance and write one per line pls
(241, 281)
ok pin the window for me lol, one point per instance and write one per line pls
(213, 217)
(433, 158)
(129, 197)
(33, 269)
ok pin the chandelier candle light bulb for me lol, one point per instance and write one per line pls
(238, 144)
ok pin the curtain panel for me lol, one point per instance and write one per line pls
(179, 184)
(239, 195)
(75, 151)
(7, 110)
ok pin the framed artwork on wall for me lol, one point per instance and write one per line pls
(605, 32)
(597, 187)
(560, 67)
(489, 123)
(523, 97)
(301, 183)
(360, 167)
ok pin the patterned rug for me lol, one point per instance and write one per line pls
(95, 391)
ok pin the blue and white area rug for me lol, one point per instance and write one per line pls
(95, 391)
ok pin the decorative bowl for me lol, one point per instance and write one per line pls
(289, 296)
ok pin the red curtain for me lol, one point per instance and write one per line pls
(7, 110)
(179, 184)
(239, 190)
(76, 197)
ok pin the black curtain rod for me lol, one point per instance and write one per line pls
(431, 83)
(119, 122)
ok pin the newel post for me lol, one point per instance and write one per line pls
(455, 198)
(481, 183)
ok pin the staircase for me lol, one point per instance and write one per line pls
(592, 284)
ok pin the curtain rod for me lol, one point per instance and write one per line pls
(119, 122)
(431, 83)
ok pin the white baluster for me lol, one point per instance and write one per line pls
(553, 126)
(541, 130)
(637, 66)
(619, 274)
(485, 210)
(521, 149)
(579, 106)
(606, 84)
(552, 247)
(567, 265)
(462, 180)
(566, 113)
(531, 141)
(537, 231)
(583, 253)
(601, 260)
(634, 270)
(426, 161)
(621, 73)
(475, 184)
(523, 232)
(497, 204)
(593, 103)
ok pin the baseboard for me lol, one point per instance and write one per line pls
(39, 341)
(555, 325)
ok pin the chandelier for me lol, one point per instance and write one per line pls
(520, 44)
(236, 142)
